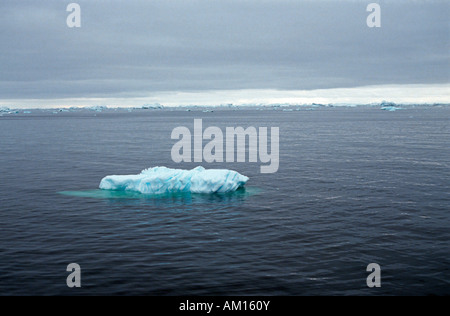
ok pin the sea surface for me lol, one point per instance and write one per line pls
(355, 186)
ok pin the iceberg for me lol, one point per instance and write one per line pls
(97, 108)
(385, 103)
(161, 180)
(391, 108)
(155, 106)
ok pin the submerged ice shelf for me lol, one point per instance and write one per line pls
(160, 180)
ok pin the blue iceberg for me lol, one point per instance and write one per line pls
(389, 106)
(161, 180)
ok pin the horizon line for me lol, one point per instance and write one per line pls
(363, 95)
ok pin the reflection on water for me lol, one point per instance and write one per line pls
(179, 197)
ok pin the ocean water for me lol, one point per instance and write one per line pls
(355, 186)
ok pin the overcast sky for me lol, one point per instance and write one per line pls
(148, 49)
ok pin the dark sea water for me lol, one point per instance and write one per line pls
(355, 186)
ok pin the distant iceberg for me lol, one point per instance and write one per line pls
(155, 106)
(160, 180)
(389, 106)
(5, 110)
(97, 108)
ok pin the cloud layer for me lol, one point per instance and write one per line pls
(140, 49)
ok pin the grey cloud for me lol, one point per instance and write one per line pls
(139, 47)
